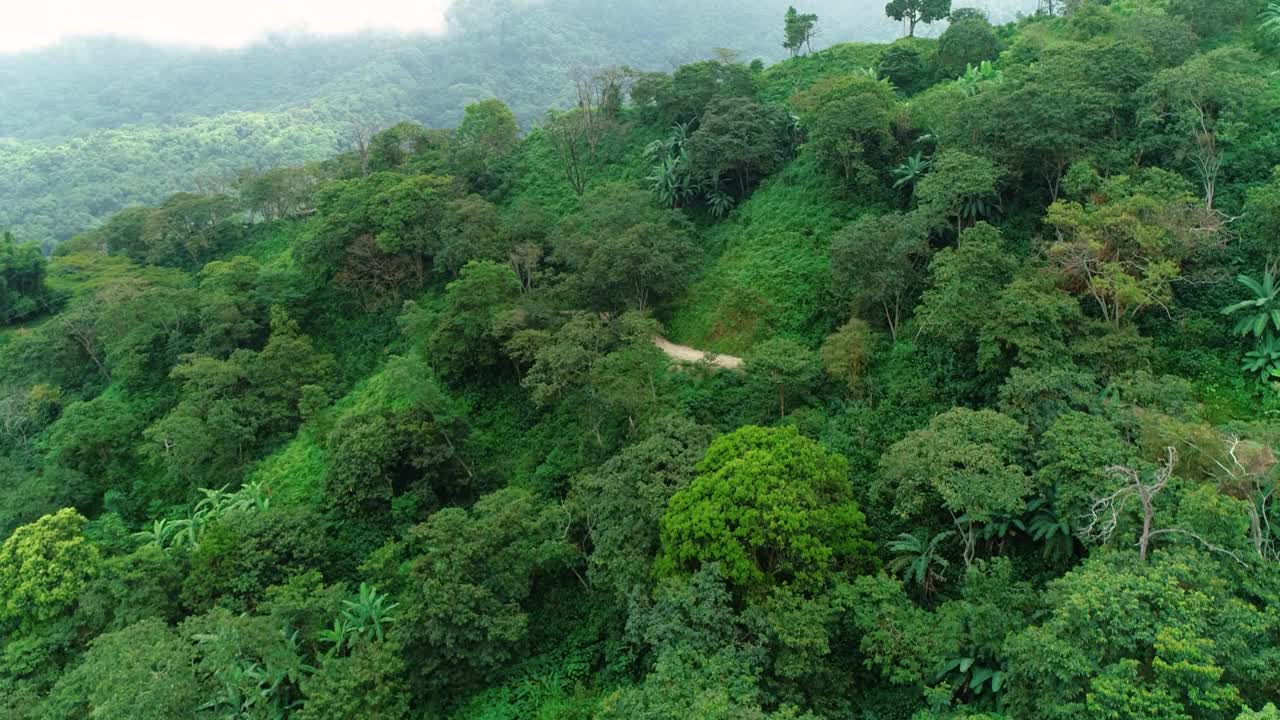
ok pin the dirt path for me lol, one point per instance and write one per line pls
(684, 353)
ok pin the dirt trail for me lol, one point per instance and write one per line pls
(684, 353)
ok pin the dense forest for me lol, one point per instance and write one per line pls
(93, 126)
(981, 424)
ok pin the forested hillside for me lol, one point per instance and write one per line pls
(388, 436)
(96, 125)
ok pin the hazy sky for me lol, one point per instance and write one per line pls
(223, 23)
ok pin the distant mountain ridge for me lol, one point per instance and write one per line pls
(97, 124)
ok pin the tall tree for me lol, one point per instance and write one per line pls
(966, 42)
(917, 11)
(799, 30)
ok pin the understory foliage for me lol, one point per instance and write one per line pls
(963, 401)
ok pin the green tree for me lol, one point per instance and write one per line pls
(773, 508)
(904, 66)
(243, 553)
(968, 461)
(368, 683)
(43, 568)
(466, 338)
(188, 229)
(1074, 456)
(848, 120)
(964, 43)
(1260, 231)
(467, 575)
(960, 188)
(647, 264)
(784, 366)
(623, 502)
(738, 142)
(1125, 253)
(963, 279)
(1194, 110)
(1212, 18)
(917, 11)
(145, 670)
(1029, 323)
(487, 135)
(877, 263)
(1075, 103)
(799, 29)
(695, 85)
(22, 270)
(1153, 616)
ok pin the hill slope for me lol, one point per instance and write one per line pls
(95, 125)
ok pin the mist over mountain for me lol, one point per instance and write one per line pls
(92, 125)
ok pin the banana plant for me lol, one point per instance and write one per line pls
(1261, 312)
(158, 534)
(336, 637)
(1264, 360)
(1052, 530)
(1270, 17)
(911, 171)
(919, 559)
(974, 679)
(187, 531)
(720, 203)
(369, 613)
(977, 77)
(670, 179)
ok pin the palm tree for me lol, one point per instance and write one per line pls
(1262, 311)
(919, 560)
(911, 171)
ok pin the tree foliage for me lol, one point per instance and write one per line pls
(770, 506)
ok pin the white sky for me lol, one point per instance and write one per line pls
(29, 24)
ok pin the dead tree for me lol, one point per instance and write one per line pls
(1245, 473)
(1104, 516)
(362, 133)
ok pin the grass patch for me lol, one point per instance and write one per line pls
(271, 244)
(541, 180)
(779, 82)
(770, 267)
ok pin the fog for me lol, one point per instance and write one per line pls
(236, 23)
(223, 24)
